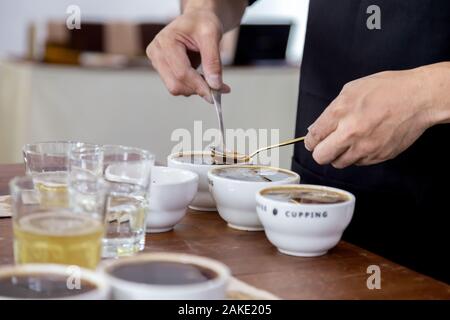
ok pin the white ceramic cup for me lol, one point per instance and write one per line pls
(170, 193)
(203, 201)
(73, 273)
(236, 198)
(212, 289)
(303, 229)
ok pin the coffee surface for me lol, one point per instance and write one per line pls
(163, 273)
(40, 286)
(256, 174)
(311, 196)
(206, 159)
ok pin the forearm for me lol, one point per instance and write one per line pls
(436, 88)
(229, 12)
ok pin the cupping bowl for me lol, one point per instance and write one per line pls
(52, 281)
(304, 229)
(203, 201)
(129, 277)
(235, 198)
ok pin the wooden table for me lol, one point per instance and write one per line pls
(341, 274)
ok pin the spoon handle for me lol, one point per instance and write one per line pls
(217, 99)
(284, 143)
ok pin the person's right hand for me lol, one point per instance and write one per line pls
(196, 30)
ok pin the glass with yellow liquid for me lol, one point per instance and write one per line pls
(50, 156)
(70, 233)
(50, 163)
(52, 189)
(58, 237)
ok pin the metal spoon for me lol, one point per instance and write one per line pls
(217, 99)
(217, 153)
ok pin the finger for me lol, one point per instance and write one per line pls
(325, 124)
(211, 63)
(366, 161)
(176, 58)
(329, 149)
(225, 88)
(310, 140)
(174, 86)
(346, 159)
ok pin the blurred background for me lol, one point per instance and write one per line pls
(96, 85)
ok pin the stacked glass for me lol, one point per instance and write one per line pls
(79, 202)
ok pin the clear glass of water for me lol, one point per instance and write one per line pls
(86, 159)
(127, 171)
(87, 188)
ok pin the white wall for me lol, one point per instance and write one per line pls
(132, 107)
(16, 14)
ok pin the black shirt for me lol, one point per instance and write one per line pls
(401, 208)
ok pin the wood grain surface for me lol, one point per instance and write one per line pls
(340, 274)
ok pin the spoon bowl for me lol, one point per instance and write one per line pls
(228, 156)
(219, 153)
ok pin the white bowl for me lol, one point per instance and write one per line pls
(170, 193)
(203, 201)
(128, 290)
(305, 230)
(73, 273)
(236, 198)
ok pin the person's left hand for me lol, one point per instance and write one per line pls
(373, 119)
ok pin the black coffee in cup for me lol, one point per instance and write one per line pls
(163, 273)
(305, 195)
(41, 286)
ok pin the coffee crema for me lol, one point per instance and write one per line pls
(305, 196)
(40, 286)
(206, 159)
(163, 273)
(256, 174)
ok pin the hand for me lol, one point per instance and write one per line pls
(196, 30)
(372, 120)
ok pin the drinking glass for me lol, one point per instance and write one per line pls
(70, 233)
(127, 171)
(86, 159)
(49, 164)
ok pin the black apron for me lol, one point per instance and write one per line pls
(402, 205)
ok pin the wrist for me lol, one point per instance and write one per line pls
(192, 5)
(435, 91)
(204, 8)
(228, 12)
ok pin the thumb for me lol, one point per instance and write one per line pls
(211, 63)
